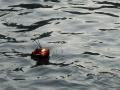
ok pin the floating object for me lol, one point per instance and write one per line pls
(40, 55)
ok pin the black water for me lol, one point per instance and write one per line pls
(83, 38)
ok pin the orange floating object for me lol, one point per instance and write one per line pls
(40, 55)
(42, 52)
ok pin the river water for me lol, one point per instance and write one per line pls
(83, 34)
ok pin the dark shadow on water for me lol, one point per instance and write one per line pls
(110, 57)
(95, 8)
(31, 6)
(12, 9)
(78, 13)
(11, 54)
(90, 76)
(107, 29)
(70, 33)
(91, 53)
(28, 28)
(32, 26)
(25, 13)
(109, 14)
(111, 3)
(5, 37)
(43, 35)
(61, 42)
(18, 69)
(10, 39)
(52, 0)
(90, 21)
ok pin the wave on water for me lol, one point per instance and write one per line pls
(82, 36)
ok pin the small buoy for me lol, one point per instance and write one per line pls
(41, 56)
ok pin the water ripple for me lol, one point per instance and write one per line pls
(82, 36)
(47, 34)
(109, 3)
(32, 26)
(109, 14)
(78, 13)
(31, 6)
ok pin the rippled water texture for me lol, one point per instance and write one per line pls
(83, 38)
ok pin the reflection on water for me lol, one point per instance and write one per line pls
(83, 38)
(31, 6)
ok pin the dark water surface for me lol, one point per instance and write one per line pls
(84, 34)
